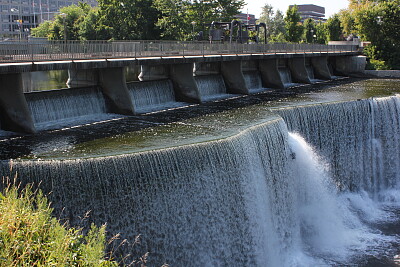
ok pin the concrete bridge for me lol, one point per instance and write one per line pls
(102, 64)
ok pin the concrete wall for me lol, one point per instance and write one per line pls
(270, 74)
(350, 64)
(298, 70)
(233, 77)
(321, 69)
(185, 86)
(15, 114)
(113, 84)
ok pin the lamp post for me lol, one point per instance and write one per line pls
(63, 15)
(312, 35)
(193, 24)
(19, 20)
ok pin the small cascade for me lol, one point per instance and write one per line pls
(286, 77)
(211, 87)
(153, 96)
(55, 108)
(253, 81)
(310, 72)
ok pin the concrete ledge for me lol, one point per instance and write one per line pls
(383, 73)
(29, 66)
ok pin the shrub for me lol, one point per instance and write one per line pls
(30, 236)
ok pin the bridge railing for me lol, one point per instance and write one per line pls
(75, 50)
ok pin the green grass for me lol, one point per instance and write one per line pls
(30, 236)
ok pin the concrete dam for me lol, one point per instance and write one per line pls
(242, 167)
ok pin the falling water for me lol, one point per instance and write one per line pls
(153, 95)
(211, 87)
(286, 77)
(253, 82)
(54, 108)
(359, 138)
(263, 196)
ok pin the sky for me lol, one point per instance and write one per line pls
(331, 6)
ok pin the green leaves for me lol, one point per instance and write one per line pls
(30, 236)
(294, 28)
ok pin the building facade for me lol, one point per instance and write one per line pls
(17, 17)
(246, 18)
(315, 12)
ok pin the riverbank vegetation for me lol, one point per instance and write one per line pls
(374, 21)
(30, 236)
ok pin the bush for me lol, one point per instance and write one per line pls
(30, 236)
(375, 64)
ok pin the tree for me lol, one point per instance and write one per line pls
(322, 33)
(127, 20)
(347, 22)
(177, 15)
(43, 30)
(379, 23)
(275, 23)
(294, 29)
(310, 30)
(335, 30)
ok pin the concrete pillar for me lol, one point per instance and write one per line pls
(233, 77)
(185, 86)
(321, 69)
(350, 64)
(15, 114)
(153, 72)
(270, 73)
(82, 78)
(297, 66)
(113, 83)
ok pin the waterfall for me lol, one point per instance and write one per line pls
(55, 108)
(298, 189)
(253, 81)
(359, 138)
(211, 87)
(153, 95)
(209, 204)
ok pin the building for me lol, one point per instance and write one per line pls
(17, 17)
(244, 17)
(317, 13)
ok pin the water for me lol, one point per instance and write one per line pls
(62, 108)
(299, 185)
(286, 77)
(253, 82)
(211, 87)
(153, 96)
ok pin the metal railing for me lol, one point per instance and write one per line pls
(78, 50)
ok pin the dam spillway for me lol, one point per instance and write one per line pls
(270, 184)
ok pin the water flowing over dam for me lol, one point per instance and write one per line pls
(303, 183)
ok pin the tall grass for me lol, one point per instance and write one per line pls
(30, 236)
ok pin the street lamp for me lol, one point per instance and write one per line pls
(312, 35)
(193, 24)
(379, 20)
(19, 20)
(63, 15)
